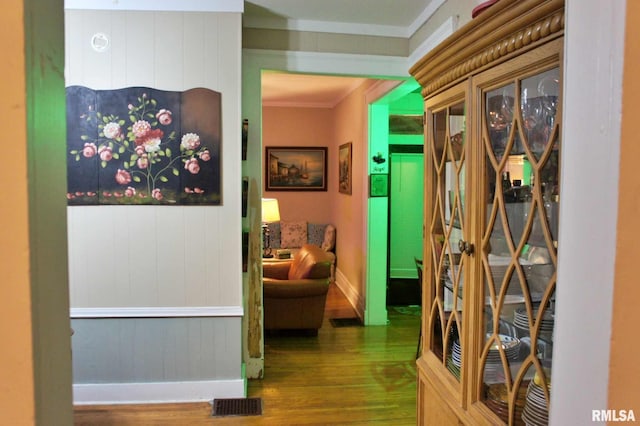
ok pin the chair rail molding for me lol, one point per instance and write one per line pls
(158, 312)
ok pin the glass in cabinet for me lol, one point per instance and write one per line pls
(521, 147)
(445, 220)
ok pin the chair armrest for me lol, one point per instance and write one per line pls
(295, 288)
(278, 270)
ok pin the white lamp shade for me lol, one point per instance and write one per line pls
(270, 210)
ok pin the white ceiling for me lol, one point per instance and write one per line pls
(398, 18)
(303, 90)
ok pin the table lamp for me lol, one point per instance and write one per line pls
(270, 213)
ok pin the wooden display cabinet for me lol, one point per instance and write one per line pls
(492, 167)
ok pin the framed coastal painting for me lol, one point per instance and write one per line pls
(295, 168)
(344, 168)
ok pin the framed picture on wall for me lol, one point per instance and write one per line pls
(295, 168)
(378, 185)
(344, 168)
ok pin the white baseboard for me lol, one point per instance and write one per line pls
(352, 295)
(157, 392)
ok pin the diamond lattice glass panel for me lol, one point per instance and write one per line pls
(499, 119)
(447, 156)
(520, 242)
(539, 97)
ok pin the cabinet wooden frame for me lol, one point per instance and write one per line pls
(509, 42)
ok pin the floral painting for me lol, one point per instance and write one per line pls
(143, 146)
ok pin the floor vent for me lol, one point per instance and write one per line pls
(237, 407)
(345, 322)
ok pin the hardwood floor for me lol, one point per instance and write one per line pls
(345, 375)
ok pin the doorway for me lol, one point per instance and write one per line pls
(406, 214)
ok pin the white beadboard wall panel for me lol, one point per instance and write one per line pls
(226, 70)
(156, 291)
(119, 60)
(118, 350)
(78, 270)
(198, 252)
(142, 243)
(96, 66)
(139, 52)
(230, 254)
(193, 63)
(167, 50)
(177, 256)
(170, 251)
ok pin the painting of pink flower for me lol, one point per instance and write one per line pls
(164, 117)
(190, 141)
(111, 130)
(151, 140)
(89, 149)
(193, 166)
(140, 128)
(123, 177)
(143, 146)
(106, 153)
(143, 162)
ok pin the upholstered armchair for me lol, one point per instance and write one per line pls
(295, 291)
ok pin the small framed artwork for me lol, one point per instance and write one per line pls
(379, 185)
(295, 168)
(344, 168)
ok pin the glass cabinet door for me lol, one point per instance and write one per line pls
(445, 225)
(521, 147)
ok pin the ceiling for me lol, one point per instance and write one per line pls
(373, 17)
(381, 17)
(304, 90)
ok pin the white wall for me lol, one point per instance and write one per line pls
(588, 217)
(185, 261)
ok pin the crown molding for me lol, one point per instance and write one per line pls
(423, 17)
(324, 27)
(343, 27)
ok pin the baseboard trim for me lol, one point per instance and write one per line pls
(157, 392)
(350, 293)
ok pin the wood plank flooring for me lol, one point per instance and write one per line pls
(344, 376)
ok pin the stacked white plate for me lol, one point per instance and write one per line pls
(456, 354)
(510, 345)
(535, 411)
(521, 320)
(454, 369)
(493, 366)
